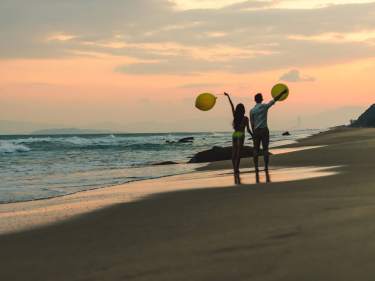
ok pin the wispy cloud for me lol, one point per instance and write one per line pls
(61, 37)
(365, 36)
(261, 4)
(295, 75)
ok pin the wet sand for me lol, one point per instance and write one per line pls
(310, 227)
(21, 216)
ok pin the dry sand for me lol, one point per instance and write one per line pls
(317, 228)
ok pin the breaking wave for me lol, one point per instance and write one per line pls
(74, 140)
(10, 147)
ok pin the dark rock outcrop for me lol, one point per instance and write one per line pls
(186, 140)
(183, 140)
(367, 119)
(286, 133)
(164, 163)
(218, 153)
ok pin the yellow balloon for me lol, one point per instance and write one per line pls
(205, 101)
(280, 89)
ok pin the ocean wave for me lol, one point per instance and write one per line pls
(31, 140)
(81, 141)
(69, 141)
(9, 147)
(88, 142)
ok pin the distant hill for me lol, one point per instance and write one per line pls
(68, 131)
(367, 119)
(9, 127)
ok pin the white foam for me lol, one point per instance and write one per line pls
(108, 140)
(9, 147)
(32, 140)
(76, 141)
(73, 140)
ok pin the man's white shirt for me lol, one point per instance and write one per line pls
(259, 114)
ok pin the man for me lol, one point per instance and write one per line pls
(261, 134)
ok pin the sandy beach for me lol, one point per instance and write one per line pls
(313, 221)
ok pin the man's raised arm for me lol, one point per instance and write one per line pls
(279, 96)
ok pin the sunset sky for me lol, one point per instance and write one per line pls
(137, 65)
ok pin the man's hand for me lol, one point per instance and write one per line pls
(278, 97)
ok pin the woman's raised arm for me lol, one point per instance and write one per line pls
(231, 103)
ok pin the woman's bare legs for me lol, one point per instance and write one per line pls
(236, 154)
(234, 150)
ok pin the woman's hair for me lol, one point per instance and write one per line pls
(239, 114)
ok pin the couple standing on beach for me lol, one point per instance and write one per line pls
(259, 130)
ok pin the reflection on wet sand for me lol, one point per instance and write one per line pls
(268, 177)
(258, 177)
(237, 179)
(280, 175)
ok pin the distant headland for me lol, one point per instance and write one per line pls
(367, 119)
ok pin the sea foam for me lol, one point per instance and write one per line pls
(9, 147)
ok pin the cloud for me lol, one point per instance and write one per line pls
(294, 75)
(364, 36)
(60, 37)
(238, 37)
(218, 4)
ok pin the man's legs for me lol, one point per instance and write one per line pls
(256, 139)
(265, 145)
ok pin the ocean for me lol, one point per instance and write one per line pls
(37, 167)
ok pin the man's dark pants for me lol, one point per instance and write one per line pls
(261, 135)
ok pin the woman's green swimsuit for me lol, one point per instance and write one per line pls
(238, 135)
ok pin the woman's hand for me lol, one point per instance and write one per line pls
(230, 101)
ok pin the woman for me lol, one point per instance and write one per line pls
(240, 122)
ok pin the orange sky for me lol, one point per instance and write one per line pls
(87, 90)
